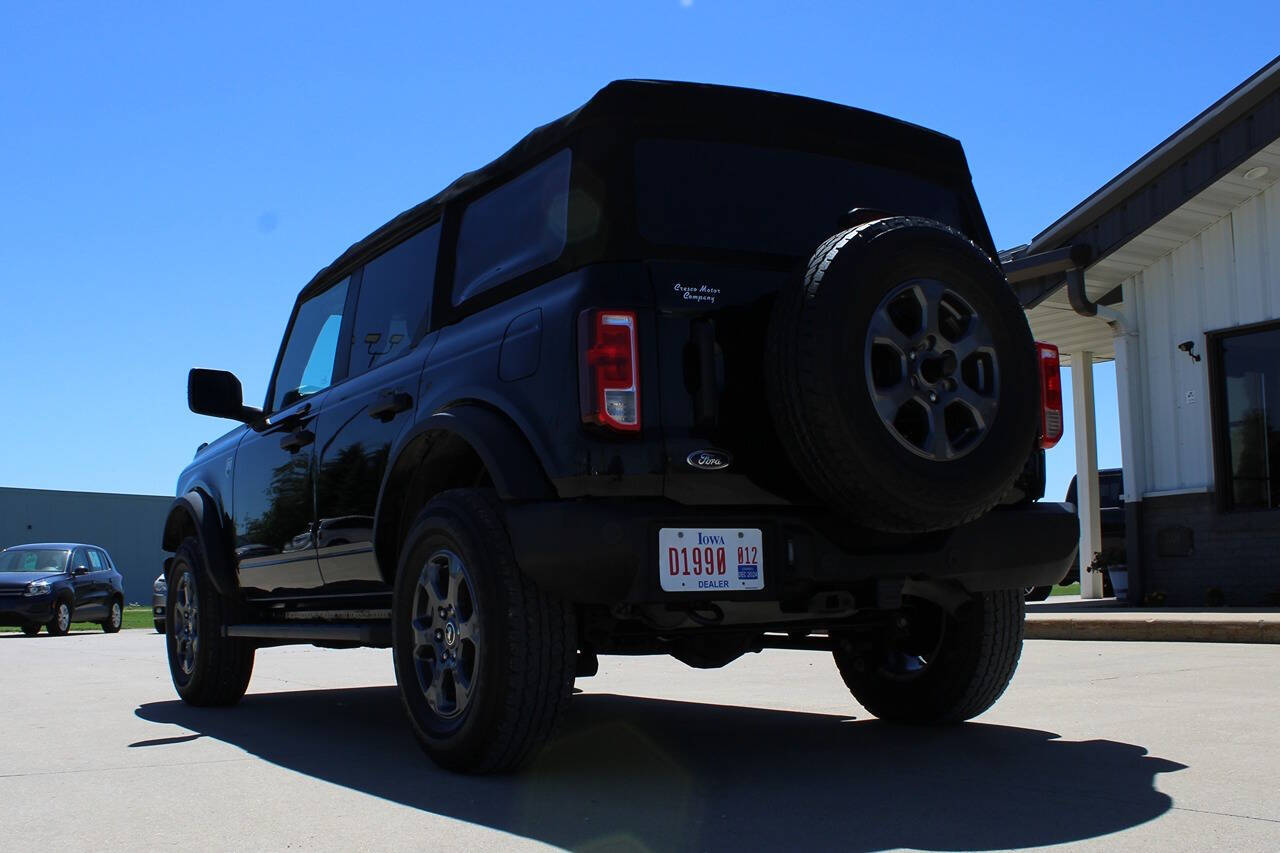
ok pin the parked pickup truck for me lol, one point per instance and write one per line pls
(692, 370)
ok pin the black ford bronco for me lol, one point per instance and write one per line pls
(693, 370)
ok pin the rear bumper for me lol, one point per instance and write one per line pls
(606, 552)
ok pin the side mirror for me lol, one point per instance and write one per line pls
(80, 570)
(218, 393)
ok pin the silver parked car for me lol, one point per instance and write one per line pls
(159, 592)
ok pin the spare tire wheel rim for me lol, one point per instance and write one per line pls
(932, 370)
(446, 634)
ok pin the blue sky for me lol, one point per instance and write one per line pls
(172, 175)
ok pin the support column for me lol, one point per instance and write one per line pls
(1133, 436)
(1087, 507)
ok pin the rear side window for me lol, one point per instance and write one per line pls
(721, 195)
(95, 560)
(513, 229)
(307, 364)
(394, 300)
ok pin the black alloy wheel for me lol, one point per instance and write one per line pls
(932, 370)
(446, 633)
(186, 624)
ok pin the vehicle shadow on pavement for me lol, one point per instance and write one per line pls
(636, 774)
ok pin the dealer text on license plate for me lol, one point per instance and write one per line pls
(710, 559)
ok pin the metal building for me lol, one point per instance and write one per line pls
(1173, 269)
(128, 526)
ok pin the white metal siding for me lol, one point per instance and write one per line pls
(1227, 275)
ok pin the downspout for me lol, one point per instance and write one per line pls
(1129, 394)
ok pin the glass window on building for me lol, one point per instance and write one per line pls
(1249, 366)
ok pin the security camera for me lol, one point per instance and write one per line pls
(1187, 347)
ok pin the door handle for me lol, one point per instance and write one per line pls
(390, 404)
(296, 440)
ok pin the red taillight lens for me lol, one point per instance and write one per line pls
(610, 369)
(1050, 395)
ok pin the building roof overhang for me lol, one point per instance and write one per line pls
(1172, 193)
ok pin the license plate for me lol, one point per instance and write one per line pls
(710, 559)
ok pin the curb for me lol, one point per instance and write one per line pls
(1078, 626)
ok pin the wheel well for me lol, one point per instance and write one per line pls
(178, 526)
(435, 461)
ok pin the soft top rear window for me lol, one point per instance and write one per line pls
(722, 195)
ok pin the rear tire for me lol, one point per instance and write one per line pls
(31, 630)
(60, 624)
(484, 658)
(207, 668)
(1037, 593)
(949, 668)
(115, 617)
(159, 623)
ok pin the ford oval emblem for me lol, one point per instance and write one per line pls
(709, 460)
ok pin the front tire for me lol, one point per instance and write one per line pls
(159, 623)
(115, 618)
(60, 624)
(31, 630)
(484, 658)
(207, 668)
(937, 667)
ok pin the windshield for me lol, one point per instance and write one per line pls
(724, 195)
(33, 560)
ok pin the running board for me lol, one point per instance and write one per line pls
(358, 633)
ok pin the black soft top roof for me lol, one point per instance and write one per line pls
(698, 109)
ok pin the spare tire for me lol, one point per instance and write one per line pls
(902, 376)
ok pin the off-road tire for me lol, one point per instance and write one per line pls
(31, 630)
(52, 626)
(524, 673)
(222, 665)
(109, 625)
(977, 658)
(816, 374)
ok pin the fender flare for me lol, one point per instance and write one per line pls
(501, 446)
(513, 465)
(201, 510)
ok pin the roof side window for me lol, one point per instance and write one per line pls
(394, 300)
(307, 363)
(513, 229)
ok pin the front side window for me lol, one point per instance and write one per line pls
(518, 227)
(307, 364)
(1249, 376)
(394, 300)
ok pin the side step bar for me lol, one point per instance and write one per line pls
(357, 633)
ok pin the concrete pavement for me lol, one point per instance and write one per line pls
(1096, 745)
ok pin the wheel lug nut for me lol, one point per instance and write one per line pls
(911, 356)
(933, 396)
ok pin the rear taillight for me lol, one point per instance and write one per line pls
(1050, 395)
(610, 369)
